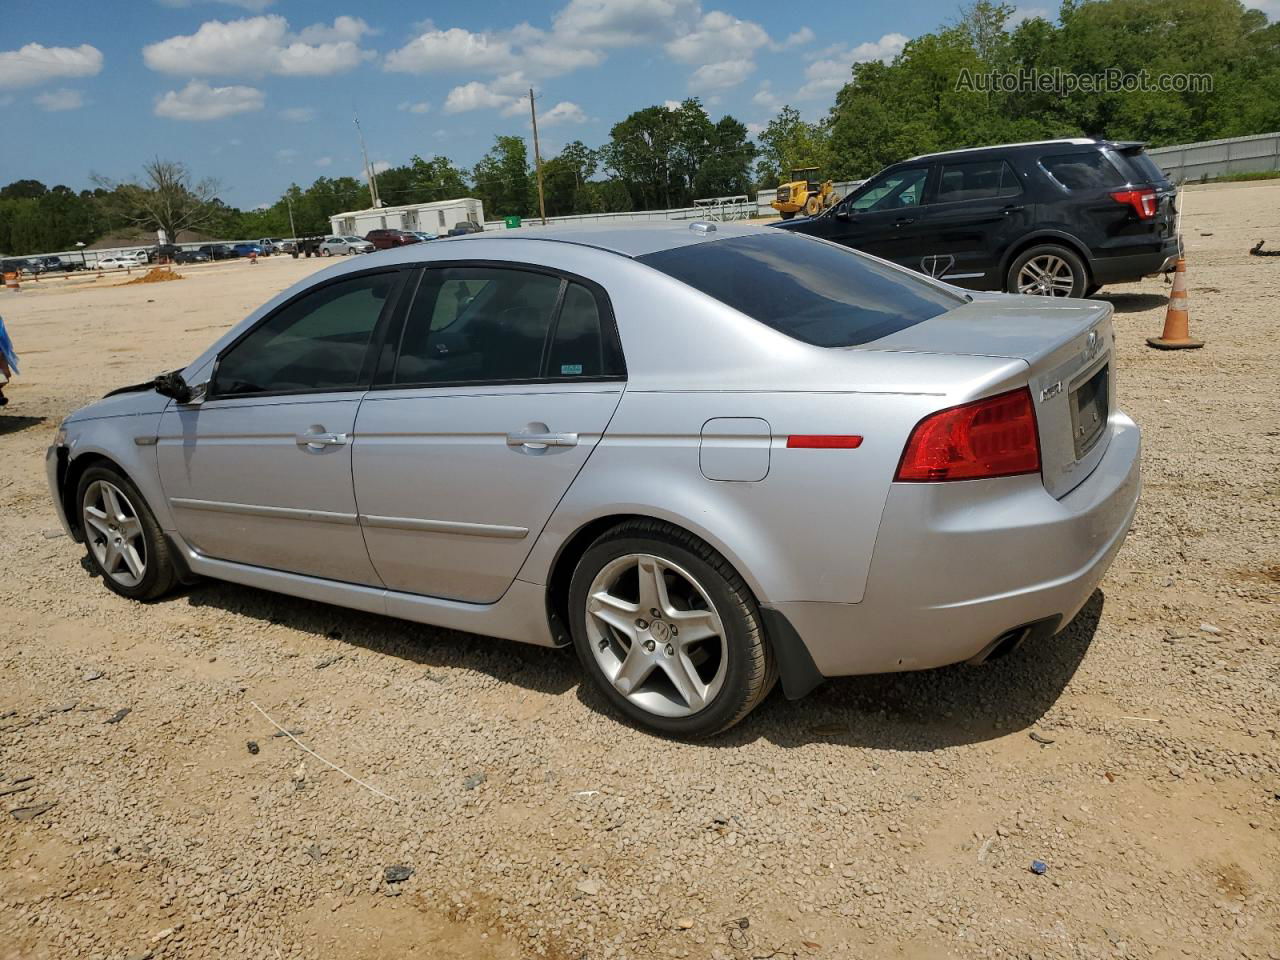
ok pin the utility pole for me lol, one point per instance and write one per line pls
(293, 231)
(537, 159)
(368, 169)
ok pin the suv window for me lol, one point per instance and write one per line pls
(815, 292)
(902, 188)
(317, 342)
(1082, 171)
(977, 180)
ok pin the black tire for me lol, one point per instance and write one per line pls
(1079, 272)
(751, 670)
(160, 574)
(786, 214)
(1091, 289)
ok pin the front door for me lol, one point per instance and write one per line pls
(885, 217)
(260, 472)
(978, 211)
(504, 382)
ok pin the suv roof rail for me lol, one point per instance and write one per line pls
(1075, 141)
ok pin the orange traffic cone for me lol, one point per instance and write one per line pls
(1177, 320)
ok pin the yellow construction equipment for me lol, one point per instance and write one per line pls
(804, 193)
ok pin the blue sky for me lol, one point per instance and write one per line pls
(259, 93)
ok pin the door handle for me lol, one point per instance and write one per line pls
(901, 221)
(1018, 208)
(317, 440)
(542, 439)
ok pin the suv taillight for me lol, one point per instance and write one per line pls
(1143, 201)
(992, 437)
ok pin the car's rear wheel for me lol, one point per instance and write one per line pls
(1048, 270)
(668, 630)
(786, 214)
(326, 252)
(122, 537)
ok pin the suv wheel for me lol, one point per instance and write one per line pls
(122, 537)
(668, 630)
(1048, 270)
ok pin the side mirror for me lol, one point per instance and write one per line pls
(172, 385)
(842, 213)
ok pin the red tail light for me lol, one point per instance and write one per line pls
(993, 437)
(1144, 201)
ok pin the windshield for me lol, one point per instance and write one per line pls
(810, 290)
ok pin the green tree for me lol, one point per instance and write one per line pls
(788, 142)
(438, 179)
(502, 178)
(565, 178)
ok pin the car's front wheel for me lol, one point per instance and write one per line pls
(668, 630)
(122, 537)
(1047, 270)
(326, 252)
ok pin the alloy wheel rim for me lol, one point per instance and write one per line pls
(656, 635)
(114, 533)
(1047, 275)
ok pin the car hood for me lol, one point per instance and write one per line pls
(133, 403)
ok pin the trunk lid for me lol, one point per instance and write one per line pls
(1067, 345)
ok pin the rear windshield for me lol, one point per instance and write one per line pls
(1145, 169)
(815, 292)
(1090, 170)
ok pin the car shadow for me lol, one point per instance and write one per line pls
(542, 669)
(915, 711)
(16, 424)
(1133, 302)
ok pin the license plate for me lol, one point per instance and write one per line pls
(1089, 411)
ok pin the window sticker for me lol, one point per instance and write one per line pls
(570, 369)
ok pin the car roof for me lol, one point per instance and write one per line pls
(631, 238)
(1006, 147)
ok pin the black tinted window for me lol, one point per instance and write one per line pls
(477, 323)
(902, 188)
(813, 291)
(579, 347)
(977, 180)
(1083, 171)
(1145, 170)
(319, 341)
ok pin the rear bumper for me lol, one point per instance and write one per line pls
(958, 565)
(1129, 267)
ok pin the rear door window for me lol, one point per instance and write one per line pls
(1083, 172)
(977, 180)
(816, 292)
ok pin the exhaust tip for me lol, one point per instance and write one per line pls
(1001, 646)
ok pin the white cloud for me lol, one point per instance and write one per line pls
(825, 76)
(342, 28)
(798, 39)
(199, 101)
(1270, 7)
(324, 161)
(255, 46)
(563, 112)
(35, 64)
(55, 100)
(1030, 13)
(755, 129)
(718, 37)
(422, 106)
(671, 104)
(721, 76)
(452, 49)
(624, 23)
(766, 98)
(287, 155)
(474, 96)
(298, 114)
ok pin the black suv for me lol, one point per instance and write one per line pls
(1056, 218)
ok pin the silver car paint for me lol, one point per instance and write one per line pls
(804, 536)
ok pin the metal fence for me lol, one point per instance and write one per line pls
(1213, 158)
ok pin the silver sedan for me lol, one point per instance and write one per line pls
(344, 246)
(707, 456)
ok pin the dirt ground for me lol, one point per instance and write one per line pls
(1136, 754)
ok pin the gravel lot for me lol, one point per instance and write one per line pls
(1136, 755)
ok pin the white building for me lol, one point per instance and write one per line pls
(438, 218)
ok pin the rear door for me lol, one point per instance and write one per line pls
(503, 382)
(978, 210)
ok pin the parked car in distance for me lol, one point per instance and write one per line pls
(191, 256)
(218, 251)
(331, 246)
(516, 449)
(1056, 218)
(246, 249)
(385, 239)
(17, 265)
(424, 237)
(115, 263)
(465, 227)
(269, 246)
(52, 264)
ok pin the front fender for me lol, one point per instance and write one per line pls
(129, 442)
